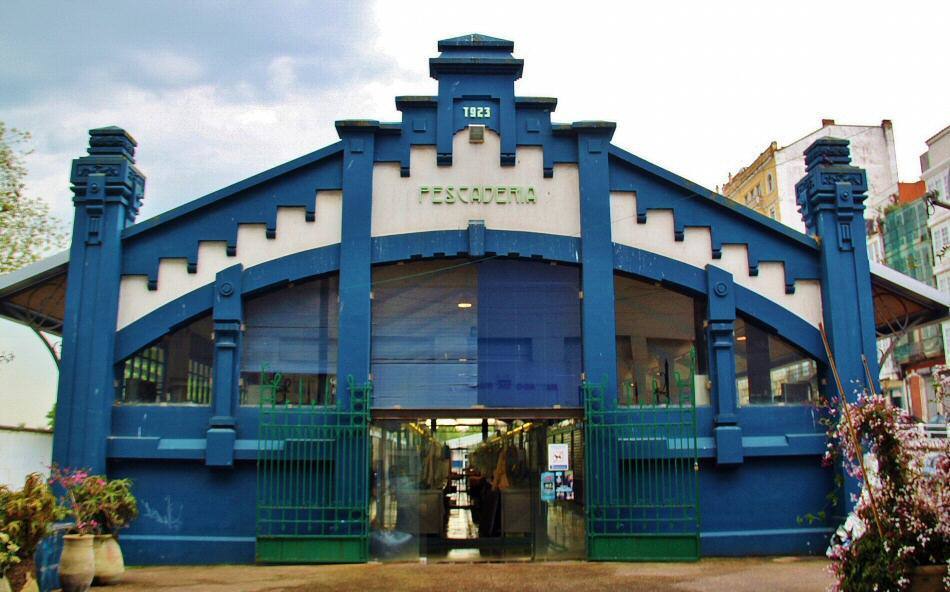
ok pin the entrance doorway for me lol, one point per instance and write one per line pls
(448, 488)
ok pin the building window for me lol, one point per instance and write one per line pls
(771, 371)
(941, 238)
(661, 351)
(768, 181)
(462, 333)
(290, 345)
(174, 371)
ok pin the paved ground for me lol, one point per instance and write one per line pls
(789, 574)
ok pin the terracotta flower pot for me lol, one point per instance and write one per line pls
(77, 566)
(109, 563)
(927, 578)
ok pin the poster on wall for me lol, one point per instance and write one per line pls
(559, 457)
(557, 486)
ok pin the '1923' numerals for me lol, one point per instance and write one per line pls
(477, 112)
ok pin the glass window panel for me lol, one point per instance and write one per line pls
(425, 334)
(458, 333)
(528, 334)
(176, 370)
(660, 345)
(771, 371)
(290, 344)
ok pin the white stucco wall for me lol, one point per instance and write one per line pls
(23, 452)
(398, 208)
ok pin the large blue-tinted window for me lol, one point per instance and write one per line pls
(291, 339)
(425, 334)
(529, 334)
(460, 333)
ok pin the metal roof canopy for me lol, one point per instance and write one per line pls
(36, 296)
(901, 301)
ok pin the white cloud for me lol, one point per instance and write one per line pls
(196, 139)
(699, 88)
(168, 67)
(702, 87)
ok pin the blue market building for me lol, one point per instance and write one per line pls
(251, 357)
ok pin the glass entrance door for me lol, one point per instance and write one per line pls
(476, 489)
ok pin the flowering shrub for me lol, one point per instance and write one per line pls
(77, 502)
(111, 501)
(902, 517)
(97, 504)
(941, 380)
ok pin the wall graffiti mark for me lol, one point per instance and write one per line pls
(168, 519)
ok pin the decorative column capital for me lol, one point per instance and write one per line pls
(831, 188)
(108, 174)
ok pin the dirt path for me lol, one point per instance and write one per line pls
(727, 575)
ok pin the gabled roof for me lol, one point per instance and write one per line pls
(230, 190)
(698, 189)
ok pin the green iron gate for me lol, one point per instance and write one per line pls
(312, 472)
(642, 503)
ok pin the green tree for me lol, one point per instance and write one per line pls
(27, 229)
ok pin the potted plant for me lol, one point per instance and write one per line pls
(26, 517)
(113, 507)
(77, 563)
(898, 535)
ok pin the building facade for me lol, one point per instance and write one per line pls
(768, 184)
(291, 368)
(908, 249)
(935, 173)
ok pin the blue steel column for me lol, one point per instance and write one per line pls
(720, 334)
(351, 468)
(597, 274)
(355, 254)
(831, 200)
(598, 328)
(228, 316)
(108, 192)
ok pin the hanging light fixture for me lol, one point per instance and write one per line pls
(465, 305)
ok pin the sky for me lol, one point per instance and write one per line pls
(216, 91)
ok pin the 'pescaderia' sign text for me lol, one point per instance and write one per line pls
(477, 194)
